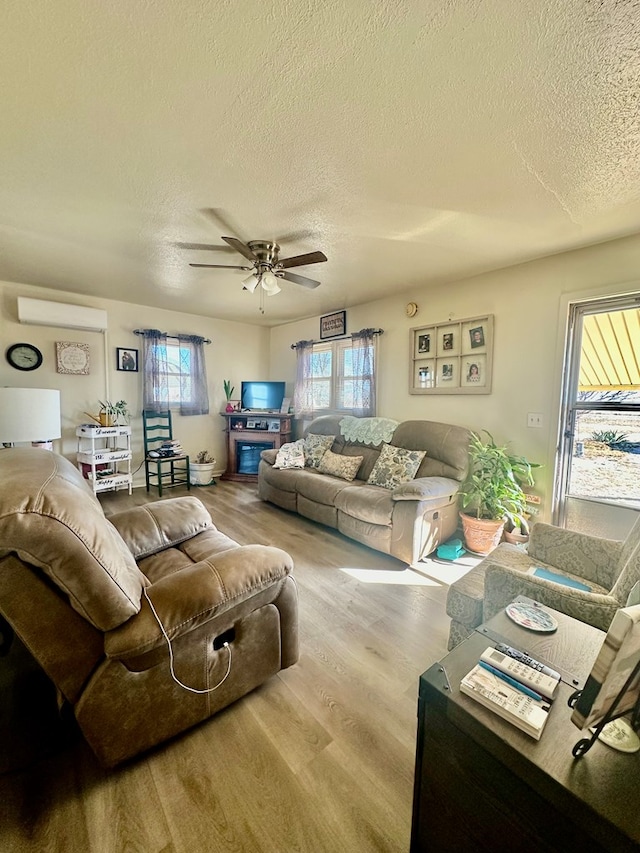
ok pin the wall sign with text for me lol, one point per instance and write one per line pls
(72, 357)
(333, 325)
(454, 357)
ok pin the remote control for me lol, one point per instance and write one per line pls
(522, 658)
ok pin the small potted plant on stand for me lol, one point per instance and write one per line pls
(493, 493)
(111, 414)
(228, 393)
(201, 471)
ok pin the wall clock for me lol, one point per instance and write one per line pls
(24, 356)
(72, 358)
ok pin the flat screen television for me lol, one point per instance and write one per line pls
(262, 396)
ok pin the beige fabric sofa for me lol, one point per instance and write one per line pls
(408, 522)
(73, 585)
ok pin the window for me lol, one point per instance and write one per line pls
(176, 359)
(174, 373)
(337, 376)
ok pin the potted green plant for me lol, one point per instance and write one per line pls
(228, 393)
(201, 470)
(493, 493)
(110, 413)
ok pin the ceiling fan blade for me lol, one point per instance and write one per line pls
(209, 247)
(301, 260)
(222, 220)
(239, 246)
(299, 279)
(219, 267)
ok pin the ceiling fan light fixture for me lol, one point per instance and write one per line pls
(272, 291)
(250, 282)
(270, 283)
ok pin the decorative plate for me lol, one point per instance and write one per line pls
(533, 618)
(619, 735)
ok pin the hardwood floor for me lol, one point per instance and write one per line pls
(318, 760)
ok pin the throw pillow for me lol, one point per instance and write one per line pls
(315, 447)
(290, 455)
(345, 467)
(395, 466)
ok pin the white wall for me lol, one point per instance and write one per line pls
(530, 305)
(238, 351)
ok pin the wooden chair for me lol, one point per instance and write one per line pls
(162, 471)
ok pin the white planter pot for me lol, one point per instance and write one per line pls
(201, 475)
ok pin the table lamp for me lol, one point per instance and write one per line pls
(29, 414)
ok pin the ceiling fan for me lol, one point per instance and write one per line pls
(267, 267)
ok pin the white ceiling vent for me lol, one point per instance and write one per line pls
(37, 312)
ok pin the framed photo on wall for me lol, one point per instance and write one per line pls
(333, 325)
(463, 353)
(127, 359)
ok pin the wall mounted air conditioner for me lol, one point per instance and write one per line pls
(38, 312)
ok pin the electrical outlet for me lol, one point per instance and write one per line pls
(534, 419)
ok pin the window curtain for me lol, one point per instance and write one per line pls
(303, 391)
(364, 360)
(174, 373)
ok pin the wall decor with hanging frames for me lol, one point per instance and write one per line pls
(452, 357)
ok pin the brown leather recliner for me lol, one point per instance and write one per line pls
(76, 587)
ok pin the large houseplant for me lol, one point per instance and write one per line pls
(493, 493)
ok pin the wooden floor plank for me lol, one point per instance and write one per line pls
(319, 759)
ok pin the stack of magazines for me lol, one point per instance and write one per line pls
(518, 693)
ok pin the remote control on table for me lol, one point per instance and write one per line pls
(523, 658)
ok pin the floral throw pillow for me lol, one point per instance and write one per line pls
(290, 455)
(345, 467)
(315, 446)
(395, 466)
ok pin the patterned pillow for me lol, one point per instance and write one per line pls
(345, 467)
(290, 455)
(395, 466)
(315, 447)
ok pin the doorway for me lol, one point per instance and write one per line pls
(597, 488)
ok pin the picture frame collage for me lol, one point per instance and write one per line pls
(453, 357)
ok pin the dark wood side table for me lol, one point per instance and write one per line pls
(483, 785)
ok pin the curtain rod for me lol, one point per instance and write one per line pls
(341, 337)
(168, 335)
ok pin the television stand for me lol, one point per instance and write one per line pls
(248, 434)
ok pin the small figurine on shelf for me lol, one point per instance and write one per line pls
(228, 391)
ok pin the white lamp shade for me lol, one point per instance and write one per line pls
(250, 282)
(270, 283)
(29, 414)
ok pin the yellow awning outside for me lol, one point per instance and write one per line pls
(610, 358)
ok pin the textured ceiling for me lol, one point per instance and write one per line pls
(413, 142)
